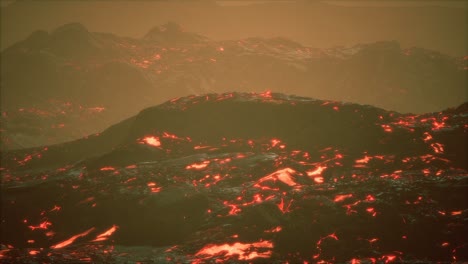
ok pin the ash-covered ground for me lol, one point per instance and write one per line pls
(244, 178)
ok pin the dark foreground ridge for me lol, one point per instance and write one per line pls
(242, 177)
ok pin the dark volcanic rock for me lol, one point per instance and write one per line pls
(244, 178)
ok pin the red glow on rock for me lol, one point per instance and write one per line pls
(389, 258)
(427, 137)
(317, 171)
(282, 206)
(198, 166)
(438, 125)
(283, 175)
(44, 225)
(240, 251)
(172, 136)
(371, 211)
(266, 94)
(319, 180)
(71, 239)
(33, 252)
(97, 109)
(274, 230)
(342, 197)
(275, 142)
(363, 160)
(437, 147)
(332, 236)
(107, 168)
(387, 128)
(106, 235)
(152, 141)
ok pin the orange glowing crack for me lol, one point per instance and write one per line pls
(107, 169)
(44, 225)
(282, 206)
(318, 171)
(274, 230)
(106, 235)
(71, 239)
(363, 160)
(284, 175)
(342, 197)
(172, 136)
(437, 147)
(198, 166)
(427, 137)
(239, 250)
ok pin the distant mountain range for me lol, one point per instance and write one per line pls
(68, 83)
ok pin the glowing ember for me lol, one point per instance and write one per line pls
(33, 252)
(387, 128)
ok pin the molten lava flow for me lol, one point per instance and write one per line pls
(342, 197)
(106, 235)
(71, 239)
(240, 251)
(318, 171)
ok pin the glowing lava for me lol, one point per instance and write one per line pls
(152, 141)
(240, 251)
(71, 239)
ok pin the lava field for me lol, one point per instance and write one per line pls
(244, 178)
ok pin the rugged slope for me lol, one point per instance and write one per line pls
(237, 177)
